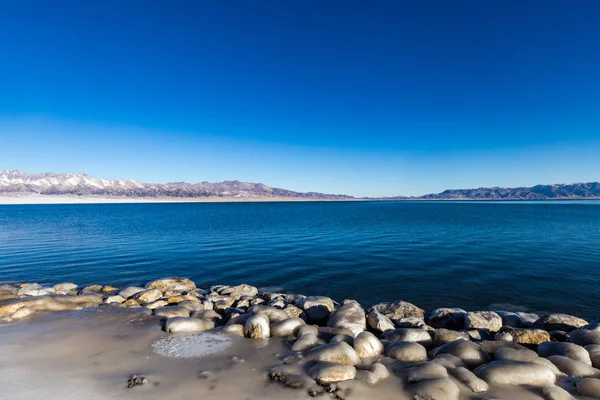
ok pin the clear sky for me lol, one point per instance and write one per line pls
(358, 97)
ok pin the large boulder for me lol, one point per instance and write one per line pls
(306, 342)
(349, 316)
(236, 292)
(472, 354)
(274, 314)
(165, 284)
(570, 350)
(257, 327)
(516, 373)
(532, 337)
(584, 337)
(483, 320)
(340, 353)
(443, 336)
(399, 310)
(447, 318)
(409, 335)
(408, 352)
(317, 308)
(378, 322)
(367, 345)
(287, 327)
(326, 372)
(559, 322)
(524, 355)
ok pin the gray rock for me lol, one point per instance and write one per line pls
(234, 329)
(367, 345)
(435, 389)
(114, 299)
(584, 337)
(556, 393)
(447, 318)
(378, 322)
(326, 372)
(340, 353)
(524, 355)
(211, 315)
(306, 342)
(272, 313)
(570, 350)
(503, 337)
(165, 284)
(483, 320)
(171, 311)
(563, 322)
(594, 352)
(187, 325)
(236, 292)
(574, 368)
(399, 309)
(367, 377)
(257, 327)
(409, 335)
(130, 291)
(327, 333)
(342, 338)
(527, 319)
(304, 329)
(589, 387)
(380, 371)
(408, 352)
(443, 336)
(448, 361)
(412, 322)
(349, 316)
(516, 373)
(470, 353)
(64, 288)
(422, 372)
(317, 308)
(287, 327)
(469, 379)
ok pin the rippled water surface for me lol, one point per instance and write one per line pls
(523, 256)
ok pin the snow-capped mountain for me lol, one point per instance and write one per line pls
(17, 182)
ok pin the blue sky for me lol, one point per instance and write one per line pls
(365, 98)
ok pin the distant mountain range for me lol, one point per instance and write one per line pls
(22, 183)
(17, 183)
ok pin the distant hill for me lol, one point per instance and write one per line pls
(78, 184)
(590, 190)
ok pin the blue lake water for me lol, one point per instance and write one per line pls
(517, 256)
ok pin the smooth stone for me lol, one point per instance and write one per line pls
(114, 299)
(109, 289)
(399, 309)
(380, 371)
(240, 319)
(367, 345)
(131, 303)
(33, 292)
(340, 353)
(378, 322)
(171, 311)
(503, 337)
(510, 319)
(524, 355)
(422, 372)
(92, 289)
(326, 372)
(448, 361)
(492, 346)
(342, 338)
(447, 318)
(560, 336)
(272, 313)
(574, 368)
(594, 352)
(435, 389)
(50, 303)
(166, 284)
(409, 352)
(412, 322)
(350, 315)
(516, 373)
(63, 288)
(304, 329)
(556, 393)
(478, 334)
(211, 315)
(234, 329)
(470, 353)
(193, 305)
(257, 327)
(236, 292)
(527, 319)
(287, 327)
(367, 377)
(147, 296)
(420, 336)
(483, 320)
(29, 286)
(317, 308)
(187, 325)
(584, 337)
(130, 291)
(570, 350)
(327, 333)
(563, 322)
(443, 336)
(22, 312)
(306, 342)
(469, 379)
(294, 312)
(589, 387)
(530, 336)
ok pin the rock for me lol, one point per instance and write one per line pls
(109, 289)
(147, 296)
(469, 379)
(325, 372)
(399, 309)
(33, 292)
(64, 288)
(192, 305)
(574, 368)
(236, 292)
(570, 350)
(503, 337)
(422, 372)
(589, 387)
(443, 336)
(22, 312)
(327, 333)
(530, 336)
(306, 342)
(594, 352)
(409, 352)
(447, 318)
(478, 335)
(130, 291)
(560, 336)
(289, 376)
(294, 312)
(257, 327)
(584, 337)
(448, 361)
(435, 389)
(563, 322)
(131, 303)
(516, 373)
(367, 377)
(50, 303)
(510, 319)
(187, 325)
(524, 355)
(340, 353)
(556, 393)
(483, 320)
(379, 322)
(114, 299)
(166, 284)
(287, 327)
(409, 335)
(92, 289)
(380, 371)
(412, 322)
(304, 329)
(367, 345)
(527, 319)
(171, 311)
(317, 308)
(240, 319)
(349, 316)
(342, 338)
(234, 329)
(491, 346)
(210, 315)
(470, 353)
(273, 314)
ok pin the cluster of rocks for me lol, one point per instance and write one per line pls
(435, 355)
